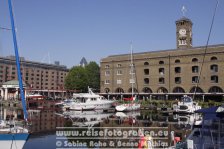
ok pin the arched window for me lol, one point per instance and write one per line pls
(177, 61)
(146, 90)
(196, 89)
(194, 60)
(213, 58)
(162, 90)
(134, 89)
(215, 89)
(178, 90)
(107, 90)
(119, 90)
(146, 63)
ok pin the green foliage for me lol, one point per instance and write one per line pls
(79, 78)
(93, 75)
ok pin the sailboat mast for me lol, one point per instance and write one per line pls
(17, 60)
(132, 72)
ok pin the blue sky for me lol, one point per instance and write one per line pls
(67, 30)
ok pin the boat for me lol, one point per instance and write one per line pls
(132, 102)
(87, 101)
(125, 107)
(133, 114)
(34, 96)
(186, 105)
(210, 134)
(13, 136)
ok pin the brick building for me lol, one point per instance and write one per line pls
(165, 72)
(37, 76)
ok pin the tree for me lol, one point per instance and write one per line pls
(93, 74)
(79, 78)
(76, 79)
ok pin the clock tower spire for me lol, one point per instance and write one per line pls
(184, 31)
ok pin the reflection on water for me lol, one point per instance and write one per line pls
(46, 118)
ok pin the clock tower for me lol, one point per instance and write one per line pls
(184, 33)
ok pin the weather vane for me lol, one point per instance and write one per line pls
(184, 10)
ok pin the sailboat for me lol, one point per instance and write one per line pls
(132, 105)
(14, 137)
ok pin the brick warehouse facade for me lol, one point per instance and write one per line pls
(37, 76)
(174, 71)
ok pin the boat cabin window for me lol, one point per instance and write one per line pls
(187, 99)
(83, 100)
(93, 99)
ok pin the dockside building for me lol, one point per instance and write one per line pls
(184, 70)
(37, 76)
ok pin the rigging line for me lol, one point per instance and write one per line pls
(206, 47)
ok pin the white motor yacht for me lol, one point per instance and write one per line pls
(186, 105)
(87, 101)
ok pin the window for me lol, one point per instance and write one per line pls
(214, 58)
(194, 60)
(146, 80)
(147, 90)
(215, 89)
(178, 90)
(182, 42)
(107, 73)
(161, 62)
(119, 72)
(132, 81)
(146, 71)
(107, 90)
(119, 82)
(161, 80)
(161, 71)
(214, 79)
(118, 65)
(177, 70)
(107, 66)
(177, 61)
(214, 68)
(195, 69)
(107, 81)
(146, 63)
(195, 79)
(178, 80)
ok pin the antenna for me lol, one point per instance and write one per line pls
(48, 58)
(132, 71)
(184, 10)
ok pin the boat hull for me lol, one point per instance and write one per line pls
(127, 107)
(13, 140)
(92, 106)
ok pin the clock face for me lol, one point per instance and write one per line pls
(182, 31)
